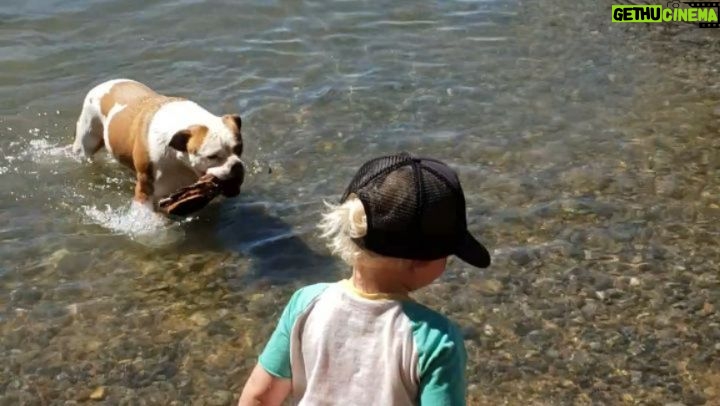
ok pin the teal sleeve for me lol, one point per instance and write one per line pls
(441, 357)
(275, 358)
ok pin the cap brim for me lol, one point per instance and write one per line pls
(471, 251)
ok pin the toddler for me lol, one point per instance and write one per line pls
(363, 340)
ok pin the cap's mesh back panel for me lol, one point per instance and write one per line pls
(412, 212)
(375, 168)
(393, 200)
(440, 215)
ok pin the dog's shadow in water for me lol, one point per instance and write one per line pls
(277, 254)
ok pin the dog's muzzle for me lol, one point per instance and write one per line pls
(230, 187)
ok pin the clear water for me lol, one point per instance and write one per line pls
(589, 153)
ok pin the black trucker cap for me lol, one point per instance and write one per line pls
(415, 209)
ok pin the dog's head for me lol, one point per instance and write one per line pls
(214, 148)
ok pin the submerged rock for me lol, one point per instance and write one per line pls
(220, 398)
(98, 394)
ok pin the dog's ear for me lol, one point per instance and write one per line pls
(189, 139)
(233, 122)
(180, 140)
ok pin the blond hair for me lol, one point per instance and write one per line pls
(344, 222)
(340, 224)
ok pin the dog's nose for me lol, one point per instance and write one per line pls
(237, 172)
(231, 185)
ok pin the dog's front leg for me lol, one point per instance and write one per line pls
(144, 187)
(145, 178)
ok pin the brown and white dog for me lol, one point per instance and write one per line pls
(169, 142)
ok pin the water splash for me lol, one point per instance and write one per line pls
(139, 222)
(41, 150)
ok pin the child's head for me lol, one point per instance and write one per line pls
(403, 215)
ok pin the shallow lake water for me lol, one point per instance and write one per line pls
(589, 153)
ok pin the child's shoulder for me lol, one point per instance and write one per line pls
(419, 313)
(305, 296)
(310, 291)
(429, 326)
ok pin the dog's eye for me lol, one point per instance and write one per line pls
(214, 157)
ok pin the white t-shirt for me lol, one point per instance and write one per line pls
(342, 347)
